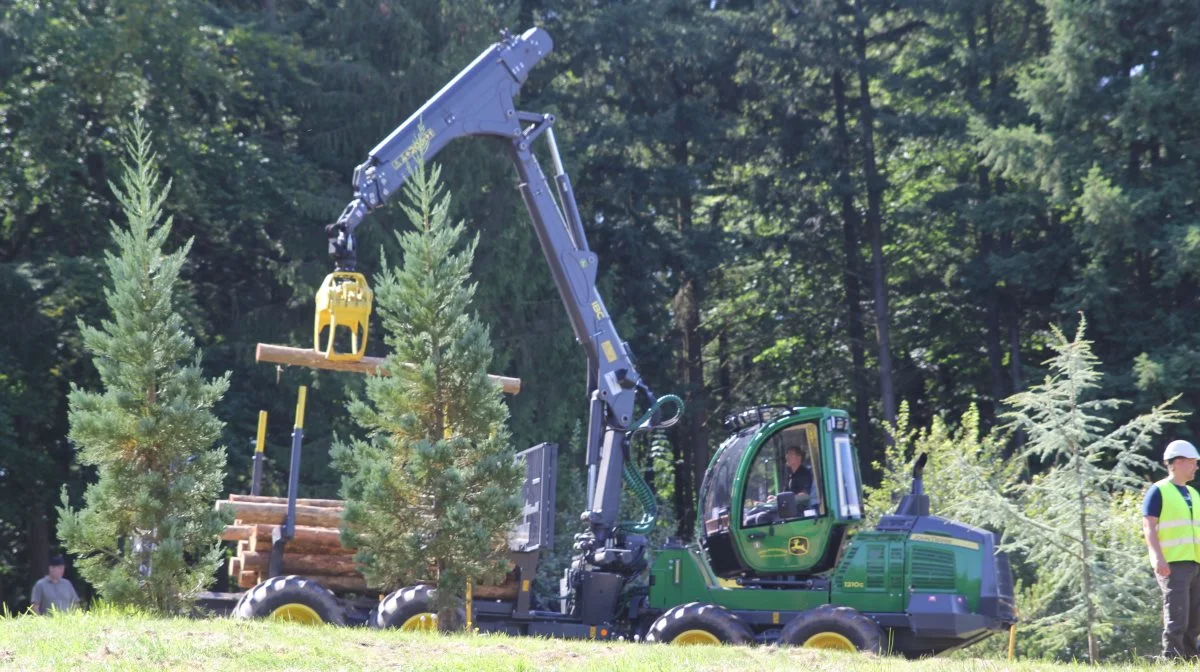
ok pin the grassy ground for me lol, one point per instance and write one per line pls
(97, 641)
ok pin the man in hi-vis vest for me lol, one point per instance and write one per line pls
(1171, 523)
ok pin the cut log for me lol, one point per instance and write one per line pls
(282, 354)
(332, 503)
(247, 578)
(235, 567)
(504, 591)
(304, 563)
(326, 540)
(273, 514)
(341, 584)
(237, 532)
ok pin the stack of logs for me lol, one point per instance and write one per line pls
(315, 551)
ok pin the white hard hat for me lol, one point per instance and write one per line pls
(1180, 448)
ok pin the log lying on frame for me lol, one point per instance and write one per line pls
(303, 564)
(263, 499)
(262, 544)
(273, 514)
(247, 578)
(340, 584)
(308, 535)
(282, 354)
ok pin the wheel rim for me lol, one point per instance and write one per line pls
(694, 637)
(296, 613)
(425, 622)
(831, 641)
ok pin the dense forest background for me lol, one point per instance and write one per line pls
(849, 203)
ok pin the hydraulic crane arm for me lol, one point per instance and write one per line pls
(479, 102)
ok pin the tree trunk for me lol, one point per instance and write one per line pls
(691, 364)
(686, 306)
(852, 275)
(39, 546)
(876, 184)
(1086, 557)
(993, 335)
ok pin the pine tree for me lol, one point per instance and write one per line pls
(1076, 523)
(434, 490)
(147, 535)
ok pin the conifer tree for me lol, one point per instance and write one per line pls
(147, 535)
(1075, 522)
(433, 491)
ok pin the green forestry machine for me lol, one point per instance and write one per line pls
(775, 560)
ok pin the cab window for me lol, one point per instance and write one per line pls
(784, 481)
(716, 491)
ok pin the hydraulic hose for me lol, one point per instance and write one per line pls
(633, 477)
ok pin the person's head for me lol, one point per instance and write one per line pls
(794, 457)
(57, 566)
(1181, 458)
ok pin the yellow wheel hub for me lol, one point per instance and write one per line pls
(296, 613)
(831, 641)
(425, 622)
(693, 637)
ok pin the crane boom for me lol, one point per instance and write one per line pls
(479, 102)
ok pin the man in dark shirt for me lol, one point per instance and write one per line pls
(800, 478)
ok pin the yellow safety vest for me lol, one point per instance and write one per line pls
(1178, 527)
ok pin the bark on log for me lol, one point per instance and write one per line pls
(341, 584)
(304, 564)
(273, 514)
(504, 591)
(319, 540)
(282, 354)
(237, 532)
(247, 578)
(263, 499)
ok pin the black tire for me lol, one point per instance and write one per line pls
(293, 598)
(410, 609)
(699, 623)
(837, 628)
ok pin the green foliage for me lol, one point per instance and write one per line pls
(1074, 521)
(958, 454)
(434, 486)
(147, 535)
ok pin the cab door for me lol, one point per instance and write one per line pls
(787, 522)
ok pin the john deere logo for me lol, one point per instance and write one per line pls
(798, 545)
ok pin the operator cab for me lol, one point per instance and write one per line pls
(780, 493)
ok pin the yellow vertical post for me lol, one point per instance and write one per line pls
(470, 604)
(300, 407)
(1012, 640)
(260, 444)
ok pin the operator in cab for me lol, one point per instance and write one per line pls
(800, 477)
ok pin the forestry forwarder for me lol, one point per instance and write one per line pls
(772, 565)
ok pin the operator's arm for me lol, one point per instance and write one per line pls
(37, 598)
(1150, 530)
(1151, 510)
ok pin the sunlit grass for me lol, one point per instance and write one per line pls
(114, 639)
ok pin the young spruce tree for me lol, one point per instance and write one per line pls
(433, 492)
(1075, 521)
(147, 535)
